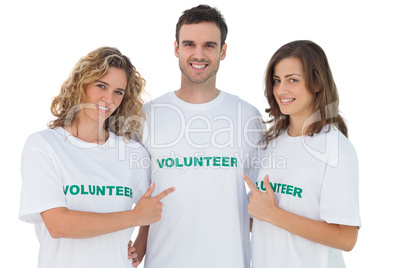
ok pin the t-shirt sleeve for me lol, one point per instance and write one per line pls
(254, 130)
(42, 188)
(340, 192)
(257, 155)
(143, 175)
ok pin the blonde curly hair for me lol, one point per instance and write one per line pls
(127, 119)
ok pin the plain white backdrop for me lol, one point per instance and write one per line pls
(42, 40)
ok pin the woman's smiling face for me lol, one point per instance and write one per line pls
(105, 95)
(290, 91)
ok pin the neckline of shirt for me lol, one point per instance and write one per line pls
(287, 137)
(199, 106)
(110, 142)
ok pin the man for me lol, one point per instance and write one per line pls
(201, 140)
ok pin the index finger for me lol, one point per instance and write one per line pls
(164, 193)
(250, 183)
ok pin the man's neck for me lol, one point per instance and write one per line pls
(197, 94)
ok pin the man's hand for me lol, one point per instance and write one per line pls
(133, 255)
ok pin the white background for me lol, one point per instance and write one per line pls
(42, 40)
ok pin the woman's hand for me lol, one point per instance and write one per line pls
(149, 209)
(262, 205)
(64, 223)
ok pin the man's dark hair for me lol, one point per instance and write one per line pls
(203, 13)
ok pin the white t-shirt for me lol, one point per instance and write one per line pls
(202, 150)
(59, 170)
(314, 177)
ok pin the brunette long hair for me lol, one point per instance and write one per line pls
(317, 75)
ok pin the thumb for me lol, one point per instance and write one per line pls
(150, 190)
(267, 183)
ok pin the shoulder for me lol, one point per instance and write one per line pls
(165, 98)
(41, 138)
(241, 104)
(346, 147)
(338, 147)
(132, 147)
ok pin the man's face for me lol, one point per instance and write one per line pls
(199, 52)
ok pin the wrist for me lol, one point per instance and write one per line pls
(130, 218)
(273, 216)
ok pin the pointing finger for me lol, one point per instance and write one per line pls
(249, 183)
(165, 193)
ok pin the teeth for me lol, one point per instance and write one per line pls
(198, 66)
(103, 108)
(287, 100)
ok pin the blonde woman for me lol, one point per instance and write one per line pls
(81, 177)
(306, 205)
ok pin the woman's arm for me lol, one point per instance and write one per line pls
(64, 223)
(333, 235)
(264, 207)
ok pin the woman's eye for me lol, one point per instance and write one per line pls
(101, 86)
(276, 81)
(292, 80)
(119, 92)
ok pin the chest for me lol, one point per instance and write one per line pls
(95, 180)
(296, 178)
